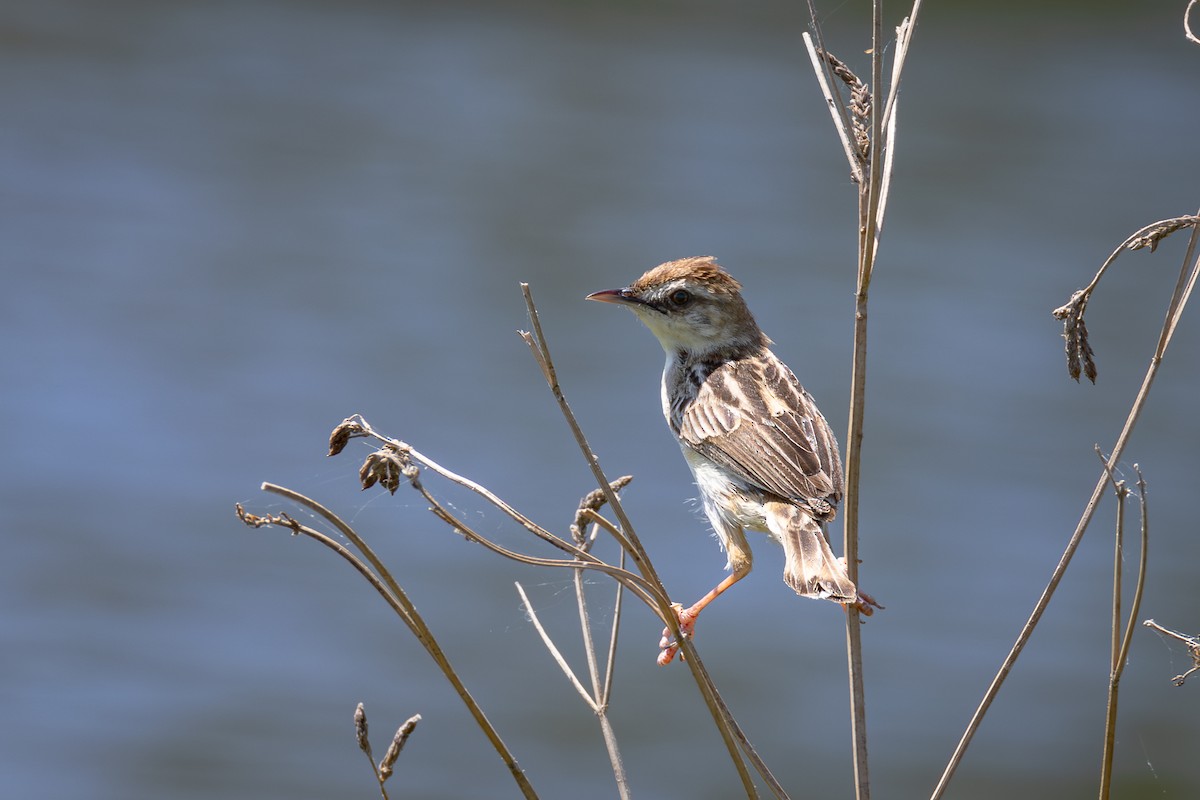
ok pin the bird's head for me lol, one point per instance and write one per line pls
(693, 306)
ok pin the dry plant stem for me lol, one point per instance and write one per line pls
(583, 560)
(869, 196)
(1144, 237)
(578, 554)
(903, 39)
(611, 664)
(398, 600)
(405, 454)
(554, 651)
(1121, 642)
(1122, 492)
(612, 530)
(652, 596)
(1193, 647)
(1184, 286)
(601, 688)
(735, 740)
(872, 205)
(597, 698)
(589, 644)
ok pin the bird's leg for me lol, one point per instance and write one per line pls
(739, 563)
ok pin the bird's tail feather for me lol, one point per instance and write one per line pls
(811, 568)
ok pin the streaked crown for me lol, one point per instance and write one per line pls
(692, 305)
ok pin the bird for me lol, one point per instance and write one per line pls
(759, 449)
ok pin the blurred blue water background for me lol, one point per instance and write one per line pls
(226, 226)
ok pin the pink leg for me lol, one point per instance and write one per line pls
(687, 617)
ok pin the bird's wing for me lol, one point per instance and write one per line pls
(754, 418)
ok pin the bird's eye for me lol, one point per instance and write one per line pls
(681, 297)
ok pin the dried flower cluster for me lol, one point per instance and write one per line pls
(1075, 332)
(860, 104)
(387, 764)
(1150, 237)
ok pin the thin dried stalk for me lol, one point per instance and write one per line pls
(870, 155)
(1183, 289)
(1075, 333)
(602, 686)
(868, 201)
(1193, 647)
(1121, 641)
(399, 602)
(596, 698)
(554, 651)
(403, 455)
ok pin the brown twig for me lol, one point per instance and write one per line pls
(1193, 648)
(867, 134)
(1079, 350)
(1121, 641)
(1183, 289)
(396, 458)
(597, 699)
(399, 602)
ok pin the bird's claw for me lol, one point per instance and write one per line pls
(668, 645)
(865, 604)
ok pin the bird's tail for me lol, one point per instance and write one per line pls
(811, 568)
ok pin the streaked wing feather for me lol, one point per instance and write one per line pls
(755, 419)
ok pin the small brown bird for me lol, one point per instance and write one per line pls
(762, 455)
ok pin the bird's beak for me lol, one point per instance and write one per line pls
(622, 297)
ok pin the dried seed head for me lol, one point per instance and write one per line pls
(348, 429)
(1154, 235)
(860, 104)
(1075, 333)
(386, 466)
(860, 107)
(393, 752)
(360, 730)
(593, 501)
(253, 520)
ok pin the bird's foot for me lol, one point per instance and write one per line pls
(865, 604)
(668, 646)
